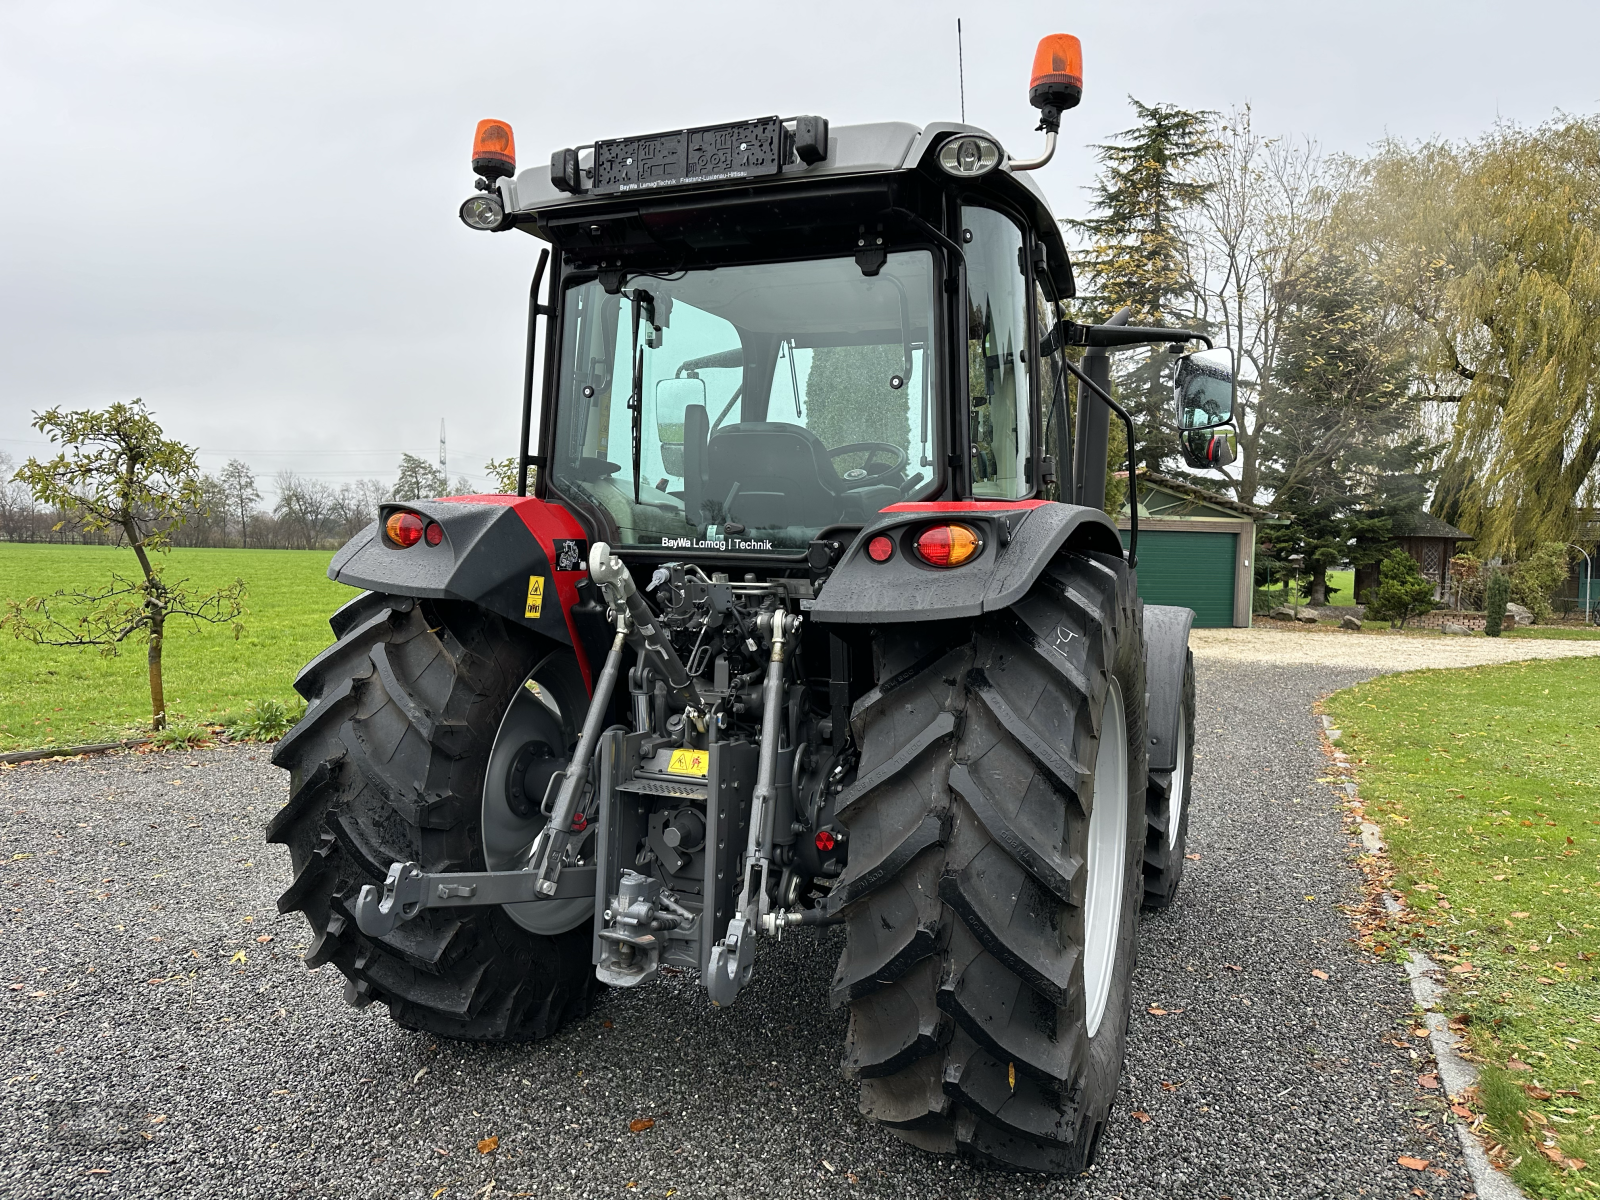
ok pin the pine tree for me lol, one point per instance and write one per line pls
(1341, 457)
(1137, 254)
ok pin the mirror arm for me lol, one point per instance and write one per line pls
(1133, 483)
(1131, 335)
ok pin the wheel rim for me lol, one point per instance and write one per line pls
(1179, 780)
(547, 708)
(1107, 859)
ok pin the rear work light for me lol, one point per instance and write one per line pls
(404, 529)
(948, 545)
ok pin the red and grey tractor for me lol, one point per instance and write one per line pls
(806, 612)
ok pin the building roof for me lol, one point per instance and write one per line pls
(1422, 524)
(1192, 491)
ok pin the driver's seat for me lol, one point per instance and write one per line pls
(784, 473)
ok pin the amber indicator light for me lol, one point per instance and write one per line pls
(948, 545)
(1059, 61)
(880, 549)
(404, 528)
(494, 149)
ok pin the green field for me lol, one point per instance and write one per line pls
(1486, 783)
(61, 697)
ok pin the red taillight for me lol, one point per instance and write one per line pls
(948, 545)
(404, 528)
(433, 535)
(880, 549)
(825, 840)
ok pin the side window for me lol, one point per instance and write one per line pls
(997, 362)
(1055, 422)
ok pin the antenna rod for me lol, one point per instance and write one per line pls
(961, 71)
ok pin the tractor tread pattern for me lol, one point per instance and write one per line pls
(963, 897)
(387, 765)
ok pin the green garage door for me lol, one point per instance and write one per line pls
(1194, 570)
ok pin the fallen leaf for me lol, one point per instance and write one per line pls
(1319, 974)
(640, 1124)
(1429, 1080)
(489, 1145)
(1553, 1153)
(1444, 904)
(1140, 1116)
(1192, 857)
(1577, 1164)
(852, 1177)
(1157, 1010)
(1416, 1164)
(1171, 1087)
(265, 937)
(1535, 1091)
(1462, 968)
(239, 956)
(157, 1118)
(99, 1171)
(1462, 1111)
(1232, 967)
(1569, 1092)
(1521, 916)
(1419, 1032)
(605, 1024)
(1516, 1064)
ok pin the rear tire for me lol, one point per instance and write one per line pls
(1167, 807)
(388, 765)
(972, 967)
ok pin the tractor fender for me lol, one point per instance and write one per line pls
(1020, 537)
(1166, 647)
(519, 557)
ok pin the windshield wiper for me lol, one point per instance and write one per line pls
(644, 304)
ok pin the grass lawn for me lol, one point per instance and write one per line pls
(1345, 581)
(1562, 633)
(1486, 782)
(60, 697)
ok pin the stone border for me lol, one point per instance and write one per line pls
(1455, 1072)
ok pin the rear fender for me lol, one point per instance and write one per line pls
(519, 557)
(1020, 537)
(1166, 646)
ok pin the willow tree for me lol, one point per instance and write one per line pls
(1492, 248)
(1137, 254)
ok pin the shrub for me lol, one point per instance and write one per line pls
(1402, 591)
(1497, 593)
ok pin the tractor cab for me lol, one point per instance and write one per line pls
(763, 334)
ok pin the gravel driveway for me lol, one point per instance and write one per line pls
(161, 1037)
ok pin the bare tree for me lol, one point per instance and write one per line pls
(1255, 229)
(19, 516)
(306, 507)
(239, 486)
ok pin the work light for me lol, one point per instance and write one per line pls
(968, 156)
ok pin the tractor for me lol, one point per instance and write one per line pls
(806, 612)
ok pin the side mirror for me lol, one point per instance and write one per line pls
(673, 398)
(1202, 389)
(1205, 449)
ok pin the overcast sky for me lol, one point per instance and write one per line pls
(245, 213)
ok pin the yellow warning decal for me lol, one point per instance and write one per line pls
(689, 762)
(535, 596)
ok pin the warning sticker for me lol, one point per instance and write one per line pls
(689, 762)
(535, 596)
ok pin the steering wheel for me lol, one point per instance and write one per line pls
(870, 472)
